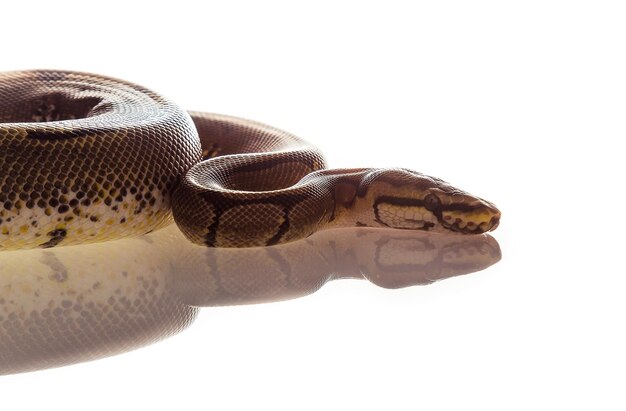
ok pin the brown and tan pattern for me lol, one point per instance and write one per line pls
(87, 158)
(268, 187)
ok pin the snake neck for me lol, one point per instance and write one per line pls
(351, 196)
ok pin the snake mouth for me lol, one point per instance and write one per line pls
(470, 227)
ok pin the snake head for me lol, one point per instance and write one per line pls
(462, 212)
(411, 200)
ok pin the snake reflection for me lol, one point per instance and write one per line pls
(74, 304)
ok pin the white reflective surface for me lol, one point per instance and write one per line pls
(66, 305)
(521, 104)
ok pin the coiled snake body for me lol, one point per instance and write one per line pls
(87, 158)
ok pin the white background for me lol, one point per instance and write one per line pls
(519, 102)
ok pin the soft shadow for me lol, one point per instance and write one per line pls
(67, 305)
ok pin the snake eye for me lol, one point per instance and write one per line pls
(432, 202)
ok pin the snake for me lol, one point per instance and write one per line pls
(66, 305)
(87, 158)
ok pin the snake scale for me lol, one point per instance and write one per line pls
(86, 158)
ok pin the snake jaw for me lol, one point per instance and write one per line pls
(459, 211)
(470, 217)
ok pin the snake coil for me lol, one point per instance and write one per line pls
(87, 158)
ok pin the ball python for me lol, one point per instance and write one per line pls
(86, 158)
(64, 305)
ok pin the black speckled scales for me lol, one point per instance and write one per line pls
(86, 158)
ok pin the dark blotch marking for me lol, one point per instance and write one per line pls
(282, 230)
(56, 236)
(223, 204)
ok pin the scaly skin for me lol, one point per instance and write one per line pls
(86, 158)
(268, 187)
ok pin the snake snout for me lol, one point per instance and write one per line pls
(494, 222)
(492, 217)
(470, 215)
